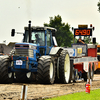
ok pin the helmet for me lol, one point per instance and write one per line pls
(79, 36)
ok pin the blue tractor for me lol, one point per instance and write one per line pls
(36, 59)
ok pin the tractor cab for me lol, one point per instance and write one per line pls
(37, 37)
(42, 37)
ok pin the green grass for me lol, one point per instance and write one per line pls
(94, 95)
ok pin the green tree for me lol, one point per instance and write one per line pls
(64, 36)
(98, 6)
(88, 40)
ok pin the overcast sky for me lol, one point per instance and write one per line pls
(17, 13)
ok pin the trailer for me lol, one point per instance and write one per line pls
(84, 56)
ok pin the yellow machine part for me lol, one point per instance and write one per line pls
(79, 51)
(98, 53)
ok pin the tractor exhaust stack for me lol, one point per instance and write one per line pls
(29, 31)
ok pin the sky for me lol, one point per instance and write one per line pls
(15, 14)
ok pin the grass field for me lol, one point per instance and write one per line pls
(94, 95)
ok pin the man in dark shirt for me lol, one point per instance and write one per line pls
(80, 41)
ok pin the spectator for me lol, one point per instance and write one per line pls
(80, 41)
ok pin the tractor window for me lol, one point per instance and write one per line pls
(38, 38)
(48, 38)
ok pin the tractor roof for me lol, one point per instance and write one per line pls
(40, 28)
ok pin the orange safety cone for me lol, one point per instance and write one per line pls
(87, 88)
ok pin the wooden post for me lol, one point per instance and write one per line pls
(24, 92)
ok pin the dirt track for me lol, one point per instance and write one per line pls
(37, 91)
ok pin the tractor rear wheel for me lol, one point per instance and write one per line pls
(46, 70)
(64, 67)
(5, 75)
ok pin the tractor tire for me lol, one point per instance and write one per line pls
(57, 71)
(31, 77)
(5, 76)
(64, 67)
(22, 77)
(49, 70)
(92, 72)
(46, 70)
(39, 77)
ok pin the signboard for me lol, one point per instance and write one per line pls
(82, 32)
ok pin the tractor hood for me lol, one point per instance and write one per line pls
(25, 49)
(25, 46)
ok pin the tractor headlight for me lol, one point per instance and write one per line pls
(32, 47)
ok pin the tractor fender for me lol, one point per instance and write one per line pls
(54, 50)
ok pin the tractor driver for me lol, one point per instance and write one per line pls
(38, 40)
(80, 41)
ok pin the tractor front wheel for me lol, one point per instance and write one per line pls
(46, 70)
(49, 70)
